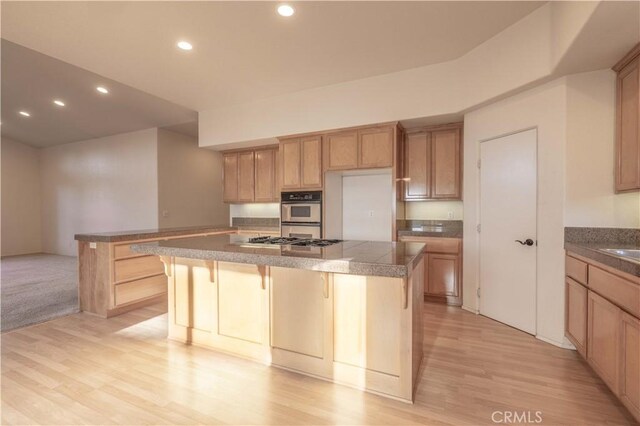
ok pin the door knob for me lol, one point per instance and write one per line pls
(527, 242)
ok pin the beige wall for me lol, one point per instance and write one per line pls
(99, 185)
(189, 183)
(590, 196)
(433, 210)
(21, 203)
(544, 108)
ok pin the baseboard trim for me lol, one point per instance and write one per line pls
(473, 311)
(562, 345)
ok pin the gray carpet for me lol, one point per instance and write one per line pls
(36, 288)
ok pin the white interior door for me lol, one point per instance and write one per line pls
(508, 206)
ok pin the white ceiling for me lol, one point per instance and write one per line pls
(31, 81)
(243, 50)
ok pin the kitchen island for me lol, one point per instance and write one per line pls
(350, 312)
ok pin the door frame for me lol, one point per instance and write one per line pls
(479, 218)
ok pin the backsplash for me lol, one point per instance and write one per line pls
(433, 210)
(602, 235)
(269, 222)
(254, 210)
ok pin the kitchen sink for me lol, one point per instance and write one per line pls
(629, 254)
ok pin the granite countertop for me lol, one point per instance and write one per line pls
(429, 228)
(384, 259)
(142, 234)
(588, 242)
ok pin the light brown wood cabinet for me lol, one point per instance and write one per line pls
(601, 321)
(443, 268)
(576, 315)
(301, 163)
(433, 163)
(603, 334)
(627, 166)
(363, 148)
(251, 176)
(341, 150)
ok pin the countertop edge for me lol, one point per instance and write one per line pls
(320, 265)
(433, 234)
(142, 235)
(622, 265)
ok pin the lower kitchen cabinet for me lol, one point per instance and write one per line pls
(602, 339)
(576, 315)
(442, 272)
(601, 322)
(442, 268)
(630, 363)
(300, 312)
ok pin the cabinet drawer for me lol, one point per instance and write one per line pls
(576, 269)
(141, 289)
(443, 245)
(123, 250)
(137, 267)
(618, 290)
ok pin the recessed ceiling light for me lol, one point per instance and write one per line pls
(185, 45)
(25, 114)
(102, 89)
(285, 10)
(58, 102)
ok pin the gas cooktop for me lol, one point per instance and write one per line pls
(292, 241)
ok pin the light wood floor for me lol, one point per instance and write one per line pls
(82, 369)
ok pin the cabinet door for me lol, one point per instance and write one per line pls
(246, 176)
(630, 364)
(367, 322)
(376, 147)
(311, 162)
(576, 315)
(341, 151)
(603, 332)
(290, 155)
(230, 193)
(298, 316)
(445, 164)
(417, 161)
(442, 275)
(241, 302)
(628, 131)
(265, 185)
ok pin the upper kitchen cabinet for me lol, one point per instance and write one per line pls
(251, 176)
(433, 163)
(266, 188)
(230, 193)
(301, 163)
(627, 165)
(361, 148)
(375, 147)
(341, 150)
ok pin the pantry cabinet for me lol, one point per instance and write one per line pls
(627, 164)
(251, 176)
(601, 320)
(433, 163)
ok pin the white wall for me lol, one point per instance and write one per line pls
(544, 108)
(189, 183)
(366, 207)
(434, 210)
(590, 196)
(21, 203)
(99, 185)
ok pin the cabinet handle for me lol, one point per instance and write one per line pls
(325, 285)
